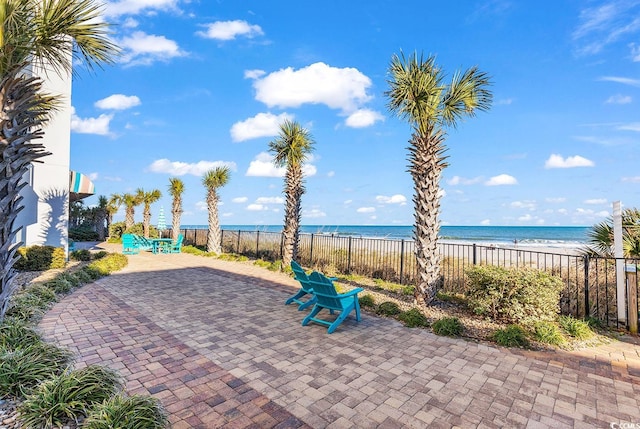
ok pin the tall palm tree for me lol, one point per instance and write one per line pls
(417, 92)
(176, 188)
(45, 33)
(291, 149)
(130, 201)
(213, 180)
(147, 198)
(600, 237)
(101, 216)
(113, 205)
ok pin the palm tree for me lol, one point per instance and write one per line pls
(600, 237)
(101, 216)
(213, 180)
(291, 149)
(44, 33)
(113, 205)
(176, 188)
(130, 202)
(417, 92)
(147, 198)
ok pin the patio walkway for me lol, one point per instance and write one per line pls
(214, 342)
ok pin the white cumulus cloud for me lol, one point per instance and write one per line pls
(619, 99)
(261, 125)
(262, 166)
(178, 168)
(557, 161)
(240, 200)
(394, 199)
(362, 118)
(338, 88)
(144, 49)
(596, 201)
(229, 30)
(526, 204)
(457, 180)
(270, 200)
(501, 179)
(257, 207)
(132, 7)
(99, 125)
(118, 102)
(366, 210)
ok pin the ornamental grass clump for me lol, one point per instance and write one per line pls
(511, 336)
(413, 318)
(448, 326)
(513, 295)
(388, 308)
(367, 301)
(130, 412)
(548, 333)
(69, 396)
(15, 334)
(578, 329)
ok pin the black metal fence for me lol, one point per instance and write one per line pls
(590, 283)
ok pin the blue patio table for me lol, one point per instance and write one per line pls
(159, 244)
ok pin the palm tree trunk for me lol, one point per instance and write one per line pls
(146, 221)
(426, 165)
(21, 118)
(176, 212)
(213, 235)
(294, 192)
(129, 218)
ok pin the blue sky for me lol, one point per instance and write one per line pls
(205, 83)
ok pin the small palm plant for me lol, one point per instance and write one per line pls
(113, 205)
(147, 198)
(291, 149)
(176, 188)
(213, 180)
(130, 202)
(600, 237)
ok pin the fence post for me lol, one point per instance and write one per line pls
(587, 307)
(474, 254)
(632, 300)
(238, 243)
(257, 243)
(222, 239)
(349, 257)
(281, 245)
(311, 251)
(401, 260)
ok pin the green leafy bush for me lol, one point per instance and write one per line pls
(40, 258)
(515, 295)
(83, 233)
(83, 276)
(578, 329)
(367, 301)
(511, 336)
(22, 369)
(127, 412)
(92, 273)
(388, 308)
(15, 334)
(116, 229)
(448, 326)
(109, 264)
(548, 333)
(413, 318)
(26, 306)
(68, 396)
(80, 255)
(100, 254)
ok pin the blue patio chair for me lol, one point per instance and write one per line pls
(130, 245)
(328, 298)
(177, 245)
(305, 288)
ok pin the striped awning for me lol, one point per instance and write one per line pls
(79, 186)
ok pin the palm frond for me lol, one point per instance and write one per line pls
(293, 144)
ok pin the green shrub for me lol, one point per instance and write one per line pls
(515, 295)
(578, 329)
(92, 273)
(388, 308)
(101, 254)
(109, 264)
(448, 326)
(116, 229)
(133, 412)
(45, 293)
(193, 250)
(15, 334)
(22, 369)
(80, 255)
(548, 333)
(25, 306)
(69, 396)
(40, 258)
(511, 336)
(83, 276)
(367, 301)
(82, 233)
(269, 265)
(413, 318)
(233, 257)
(138, 229)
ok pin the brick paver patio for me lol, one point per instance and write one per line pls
(214, 342)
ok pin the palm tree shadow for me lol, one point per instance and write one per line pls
(54, 222)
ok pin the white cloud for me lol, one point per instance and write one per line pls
(145, 49)
(118, 102)
(557, 161)
(619, 99)
(596, 201)
(257, 207)
(485, 222)
(178, 168)
(93, 176)
(502, 179)
(622, 80)
(130, 23)
(394, 199)
(366, 210)
(229, 30)
(527, 204)
(556, 200)
(331, 173)
(525, 218)
(605, 24)
(363, 118)
(270, 200)
(202, 205)
(261, 125)
(132, 7)
(633, 126)
(633, 179)
(338, 88)
(99, 125)
(313, 213)
(254, 74)
(457, 180)
(240, 200)
(262, 166)
(563, 211)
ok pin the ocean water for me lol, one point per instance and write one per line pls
(530, 236)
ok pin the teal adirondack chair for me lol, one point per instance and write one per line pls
(177, 245)
(328, 298)
(129, 245)
(305, 288)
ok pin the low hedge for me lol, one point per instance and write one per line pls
(40, 258)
